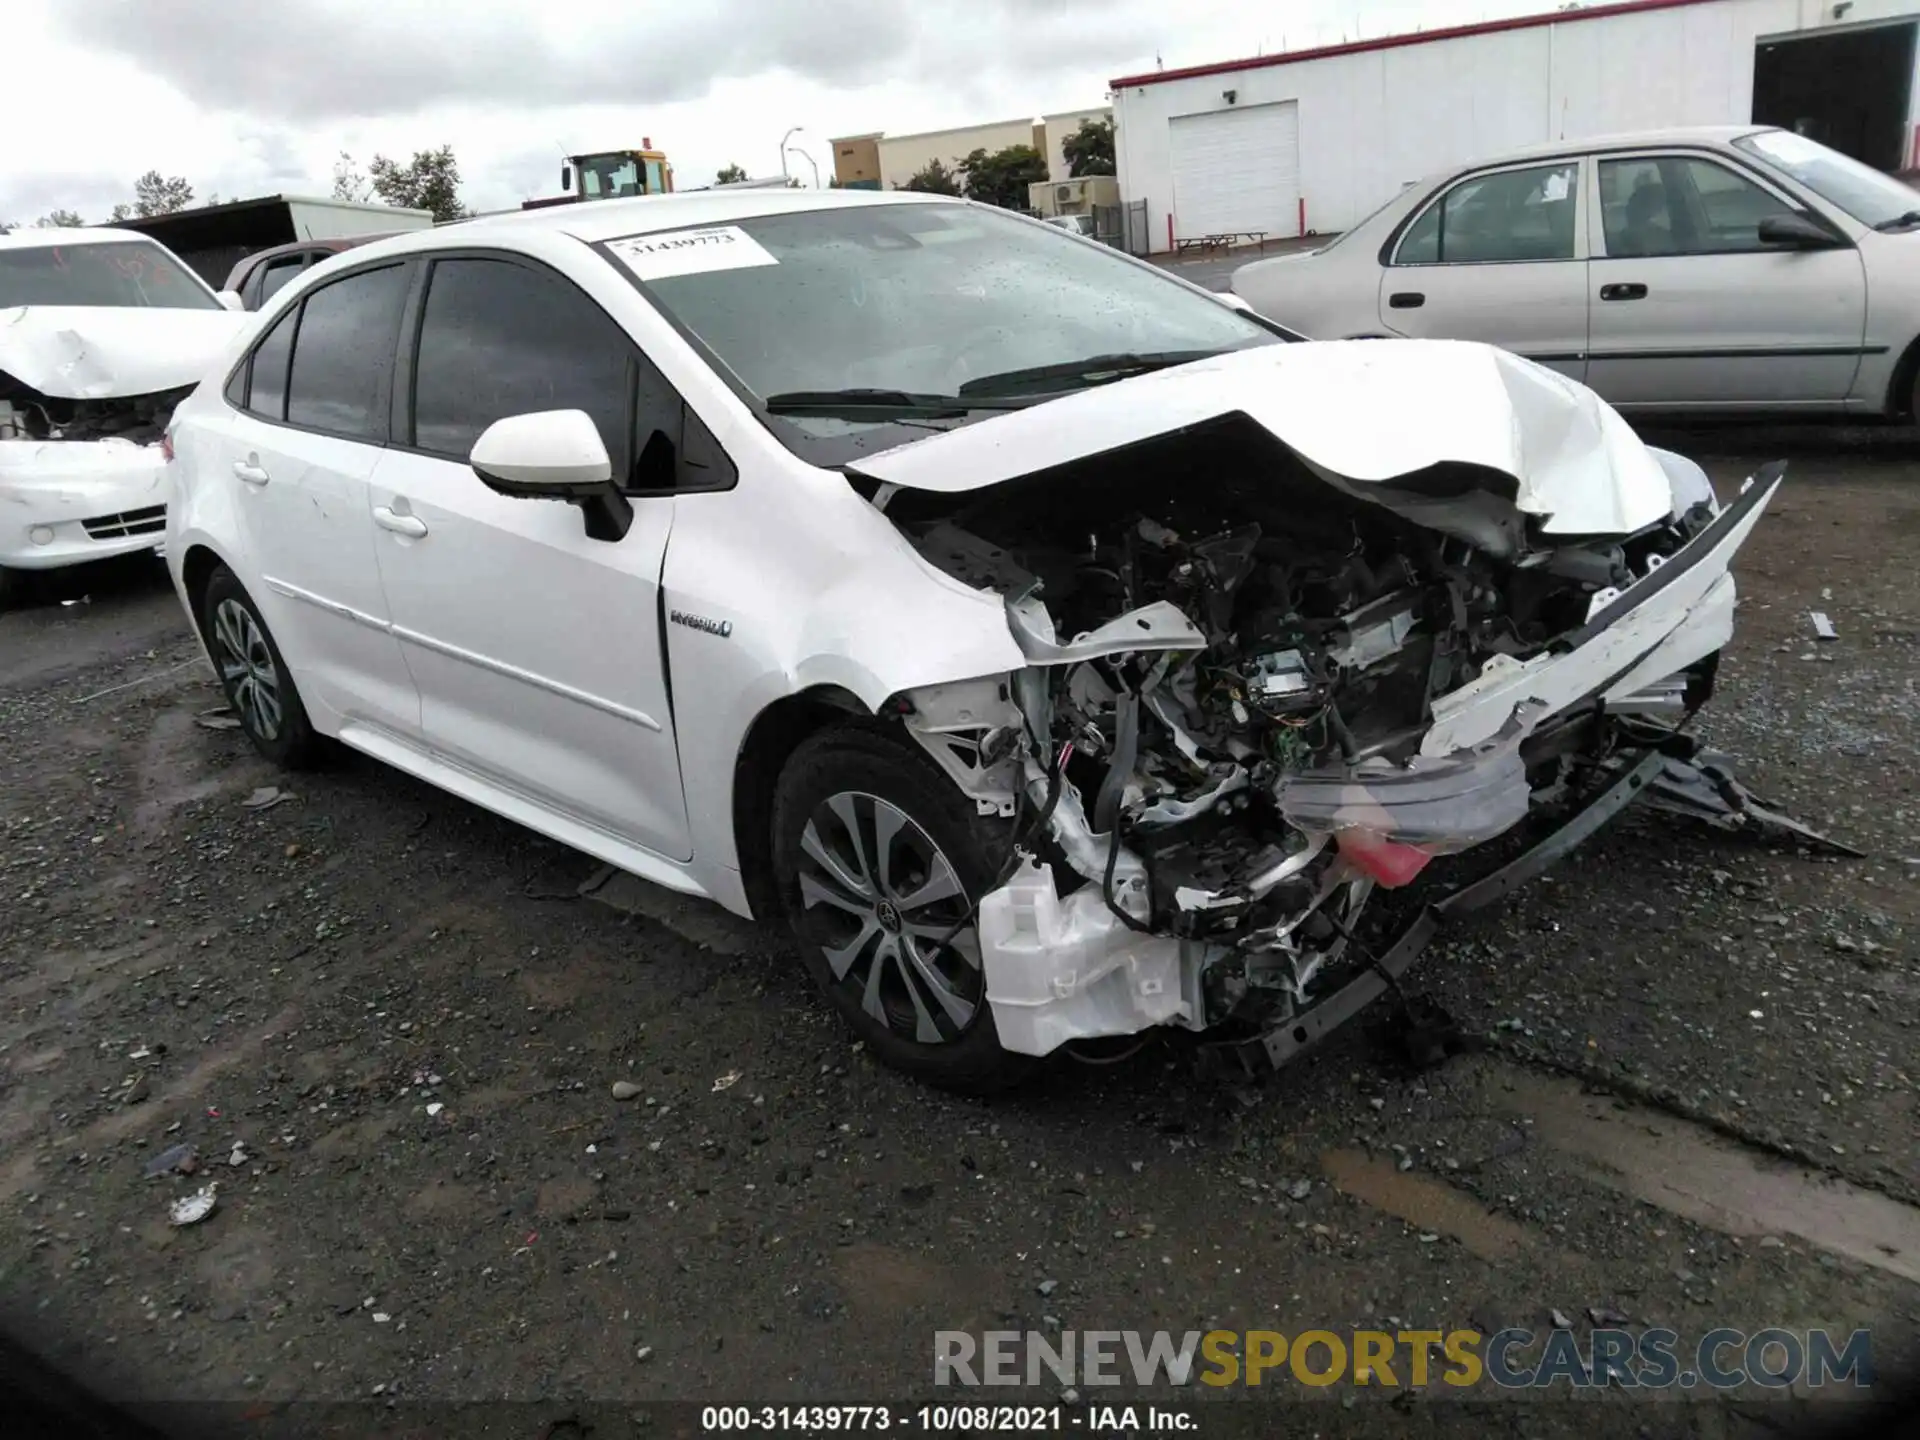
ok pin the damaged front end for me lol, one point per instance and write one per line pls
(86, 394)
(1258, 689)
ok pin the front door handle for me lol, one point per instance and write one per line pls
(389, 519)
(1406, 300)
(249, 470)
(1623, 292)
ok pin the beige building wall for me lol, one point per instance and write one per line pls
(1058, 128)
(903, 156)
(856, 161)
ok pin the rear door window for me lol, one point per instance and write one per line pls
(267, 384)
(343, 354)
(276, 273)
(1506, 216)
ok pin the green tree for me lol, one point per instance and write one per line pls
(429, 181)
(157, 194)
(122, 211)
(1089, 150)
(59, 219)
(1002, 178)
(933, 178)
(349, 180)
(731, 175)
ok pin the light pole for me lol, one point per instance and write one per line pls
(783, 150)
(815, 164)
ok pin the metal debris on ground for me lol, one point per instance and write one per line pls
(221, 717)
(1823, 627)
(266, 797)
(726, 1081)
(192, 1209)
(181, 1157)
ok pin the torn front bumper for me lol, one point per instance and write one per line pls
(63, 502)
(1060, 968)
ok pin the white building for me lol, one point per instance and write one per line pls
(1312, 141)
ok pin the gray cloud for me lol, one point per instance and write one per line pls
(306, 60)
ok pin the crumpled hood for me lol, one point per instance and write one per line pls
(75, 352)
(1358, 411)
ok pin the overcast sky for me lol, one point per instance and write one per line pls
(253, 97)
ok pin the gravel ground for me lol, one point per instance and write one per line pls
(389, 1024)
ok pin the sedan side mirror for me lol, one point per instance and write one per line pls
(554, 455)
(231, 299)
(1795, 232)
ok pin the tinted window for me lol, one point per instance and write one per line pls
(278, 273)
(503, 339)
(130, 274)
(1510, 215)
(267, 390)
(343, 352)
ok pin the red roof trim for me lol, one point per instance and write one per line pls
(1394, 42)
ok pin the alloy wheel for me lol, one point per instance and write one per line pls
(246, 665)
(882, 902)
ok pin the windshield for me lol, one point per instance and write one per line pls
(906, 302)
(131, 275)
(1863, 192)
(609, 177)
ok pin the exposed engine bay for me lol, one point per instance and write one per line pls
(1225, 738)
(26, 414)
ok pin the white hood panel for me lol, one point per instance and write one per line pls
(1363, 411)
(97, 352)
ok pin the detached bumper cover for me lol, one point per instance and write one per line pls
(63, 502)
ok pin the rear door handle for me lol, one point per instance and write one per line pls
(389, 519)
(1623, 292)
(1406, 300)
(249, 470)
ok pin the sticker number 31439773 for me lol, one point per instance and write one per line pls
(690, 252)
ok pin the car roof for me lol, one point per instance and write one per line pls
(597, 220)
(1709, 135)
(36, 237)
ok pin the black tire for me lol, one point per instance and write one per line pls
(861, 765)
(255, 676)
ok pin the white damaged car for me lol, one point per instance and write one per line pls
(1061, 651)
(102, 332)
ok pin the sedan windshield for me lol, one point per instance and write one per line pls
(858, 329)
(129, 275)
(1863, 192)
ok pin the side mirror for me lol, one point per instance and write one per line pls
(1795, 232)
(554, 455)
(231, 299)
(566, 178)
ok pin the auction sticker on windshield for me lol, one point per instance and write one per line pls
(691, 252)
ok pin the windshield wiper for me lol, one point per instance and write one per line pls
(1900, 222)
(1093, 370)
(860, 403)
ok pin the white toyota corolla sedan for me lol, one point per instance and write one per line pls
(1057, 648)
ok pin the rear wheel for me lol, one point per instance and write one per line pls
(255, 676)
(881, 862)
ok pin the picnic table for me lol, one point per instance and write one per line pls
(1220, 240)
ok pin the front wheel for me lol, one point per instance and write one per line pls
(881, 863)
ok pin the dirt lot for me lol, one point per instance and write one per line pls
(398, 1019)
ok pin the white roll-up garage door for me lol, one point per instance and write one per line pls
(1237, 169)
